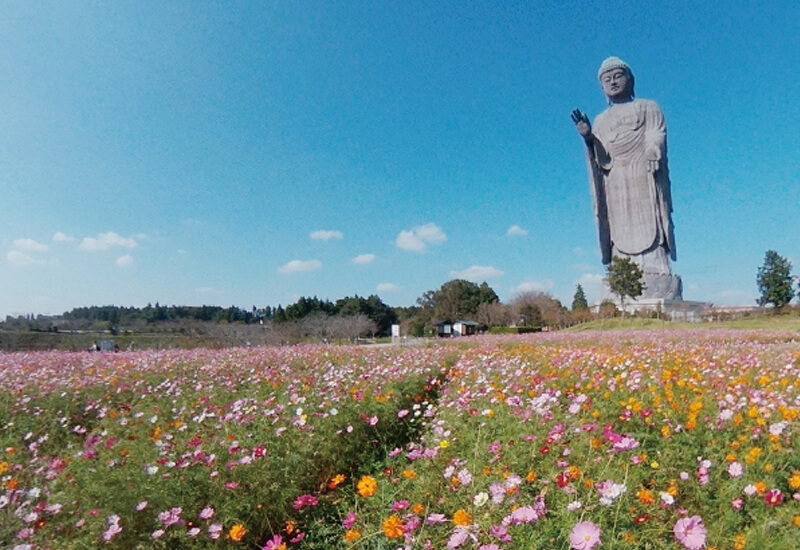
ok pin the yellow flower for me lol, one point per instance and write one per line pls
(418, 509)
(335, 482)
(409, 474)
(794, 480)
(367, 486)
(393, 527)
(352, 535)
(443, 444)
(796, 521)
(237, 532)
(739, 543)
(4, 467)
(462, 518)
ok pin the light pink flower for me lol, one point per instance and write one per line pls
(214, 531)
(274, 543)
(458, 537)
(584, 536)
(735, 469)
(690, 532)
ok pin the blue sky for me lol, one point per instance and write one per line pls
(249, 153)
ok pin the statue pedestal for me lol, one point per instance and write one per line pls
(674, 310)
(658, 286)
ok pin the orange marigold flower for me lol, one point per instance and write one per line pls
(794, 480)
(409, 474)
(574, 473)
(761, 487)
(796, 521)
(645, 497)
(418, 509)
(4, 467)
(367, 486)
(237, 532)
(462, 518)
(739, 542)
(531, 477)
(393, 527)
(336, 481)
(352, 535)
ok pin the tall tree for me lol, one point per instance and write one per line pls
(624, 278)
(455, 300)
(775, 280)
(579, 302)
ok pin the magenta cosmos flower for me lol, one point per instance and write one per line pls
(584, 536)
(690, 532)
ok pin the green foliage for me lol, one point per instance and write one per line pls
(624, 278)
(456, 300)
(775, 280)
(579, 302)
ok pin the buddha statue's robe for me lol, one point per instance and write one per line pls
(633, 206)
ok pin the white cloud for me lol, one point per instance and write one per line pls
(417, 239)
(60, 237)
(18, 258)
(326, 235)
(477, 273)
(516, 231)
(362, 259)
(300, 266)
(29, 245)
(125, 260)
(388, 287)
(534, 286)
(104, 241)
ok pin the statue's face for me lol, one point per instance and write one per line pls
(616, 84)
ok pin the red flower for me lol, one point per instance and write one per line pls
(773, 498)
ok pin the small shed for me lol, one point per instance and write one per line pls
(465, 328)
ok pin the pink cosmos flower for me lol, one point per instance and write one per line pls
(690, 532)
(584, 536)
(458, 538)
(214, 531)
(735, 469)
(273, 544)
(206, 513)
(304, 501)
(141, 506)
(349, 521)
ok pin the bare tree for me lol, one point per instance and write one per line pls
(495, 314)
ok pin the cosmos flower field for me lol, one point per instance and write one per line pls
(659, 440)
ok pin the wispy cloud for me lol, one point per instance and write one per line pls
(29, 245)
(60, 237)
(324, 235)
(516, 231)
(300, 266)
(478, 273)
(388, 287)
(16, 257)
(125, 260)
(418, 238)
(104, 241)
(362, 259)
